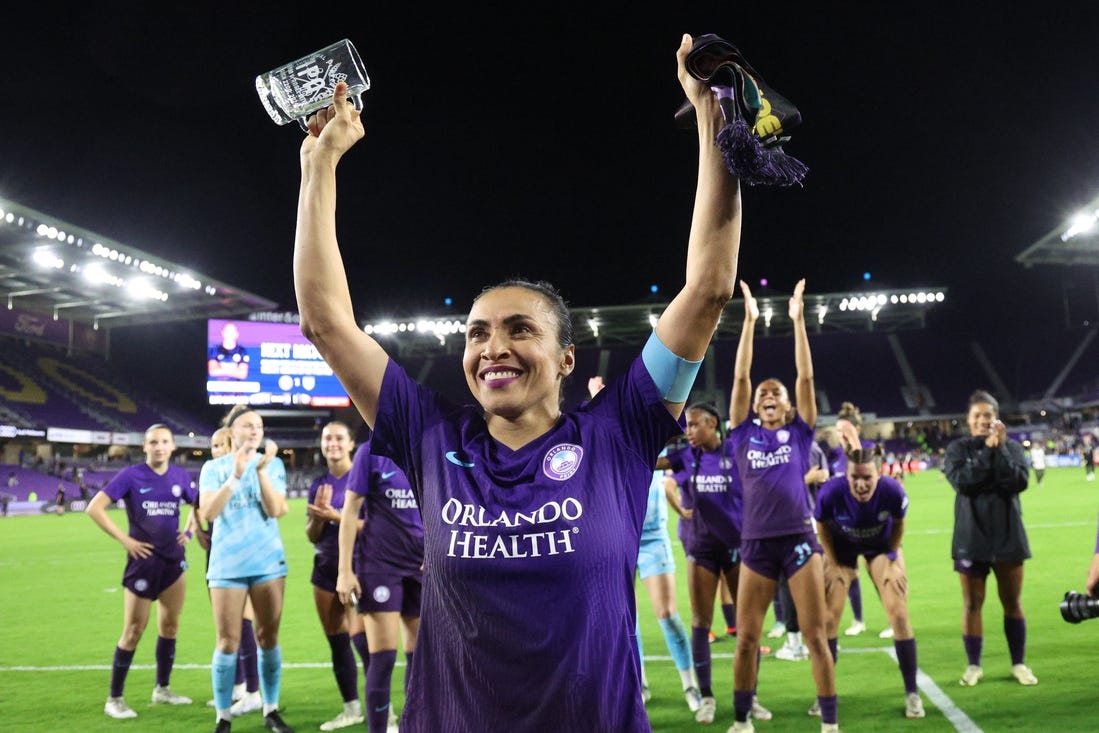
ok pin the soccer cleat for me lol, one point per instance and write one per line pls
(829, 728)
(714, 638)
(913, 706)
(792, 652)
(777, 631)
(273, 722)
(707, 709)
(116, 707)
(758, 711)
(1022, 673)
(886, 633)
(856, 628)
(223, 726)
(250, 703)
(694, 699)
(166, 696)
(814, 709)
(646, 693)
(745, 727)
(971, 676)
(344, 720)
(730, 631)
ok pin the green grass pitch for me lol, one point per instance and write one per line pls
(61, 615)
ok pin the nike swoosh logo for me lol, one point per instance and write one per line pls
(452, 456)
(146, 490)
(382, 709)
(388, 474)
(757, 441)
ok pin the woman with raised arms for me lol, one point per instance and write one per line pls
(529, 512)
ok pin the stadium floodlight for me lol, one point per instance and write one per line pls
(593, 324)
(767, 315)
(1082, 223)
(822, 309)
(46, 258)
(653, 320)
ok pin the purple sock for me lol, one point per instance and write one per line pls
(700, 650)
(165, 657)
(828, 707)
(780, 615)
(834, 647)
(906, 659)
(359, 640)
(1015, 630)
(120, 669)
(407, 670)
(378, 679)
(344, 667)
(247, 655)
(729, 611)
(854, 594)
(973, 646)
(742, 705)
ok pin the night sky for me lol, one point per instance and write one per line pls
(537, 139)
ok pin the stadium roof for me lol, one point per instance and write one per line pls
(1073, 243)
(884, 310)
(60, 269)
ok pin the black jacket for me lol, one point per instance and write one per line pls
(988, 519)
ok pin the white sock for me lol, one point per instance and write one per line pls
(268, 709)
(353, 707)
(686, 678)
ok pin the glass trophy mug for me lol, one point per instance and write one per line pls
(296, 90)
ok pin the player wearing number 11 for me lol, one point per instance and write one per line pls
(777, 537)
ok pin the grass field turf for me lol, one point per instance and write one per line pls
(61, 615)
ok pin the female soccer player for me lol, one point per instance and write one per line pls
(862, 514)
(154, 492)
(988, 471)
(382, 564)
(772, 457)
(245, 491)
(322, 527)
(529, 512)
(246, 697)
(710, 478)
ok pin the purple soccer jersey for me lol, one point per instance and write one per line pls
(711, 479)
(859, 528)
(546, 535)
(392, 537)
(153, 504)
(772, 466)
(328, 546)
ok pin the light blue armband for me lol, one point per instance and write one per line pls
(673, 375)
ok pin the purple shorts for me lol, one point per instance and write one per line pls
(150, 576)
(848, 556)
(391, 592)
(773, 557)
(712, 555)
(325, 570)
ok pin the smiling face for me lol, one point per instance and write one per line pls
(980, 418)
(863, 478)
(513, 362)
(336, 444)
(159, 446)
(772, 403)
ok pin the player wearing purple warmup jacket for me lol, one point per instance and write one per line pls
(772, 457)
(1092, 584)
(713, 550)
(861, 514)
(154, 493)
(383, 565)
(988, 472)
(341, 624)
(529, 512)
